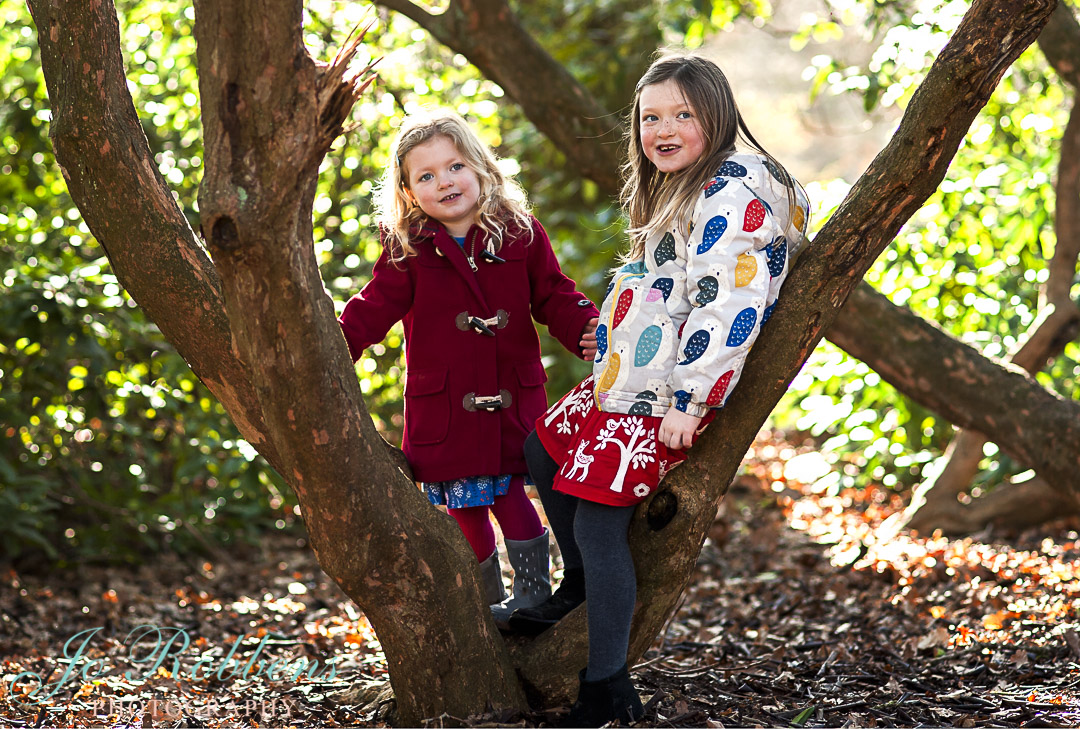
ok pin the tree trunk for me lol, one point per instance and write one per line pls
(126, 203)
(406, 565)
(297, 398)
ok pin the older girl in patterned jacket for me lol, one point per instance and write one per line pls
(712, 232)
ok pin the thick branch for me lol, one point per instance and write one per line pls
(952, 379)
(113, 179)
(489, 34)
(991, 36)
(1060, 43)
(1066, 213)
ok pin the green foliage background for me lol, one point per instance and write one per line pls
(971, 260)
(112, 449)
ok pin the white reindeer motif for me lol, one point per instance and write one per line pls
(581, 462)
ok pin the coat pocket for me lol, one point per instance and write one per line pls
(427, 406)
(531, 397)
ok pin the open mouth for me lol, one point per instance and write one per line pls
(668, 148)
(451, 197)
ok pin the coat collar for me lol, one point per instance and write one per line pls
(454, 253)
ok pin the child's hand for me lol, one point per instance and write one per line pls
(588, 340)
(677, 429)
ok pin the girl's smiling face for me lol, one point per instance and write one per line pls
(444, 187)
(671, 135)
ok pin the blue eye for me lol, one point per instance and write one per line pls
(649, 118)
(685, 115)
(457, 166)
(424, 177)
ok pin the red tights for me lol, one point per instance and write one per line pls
(516, 515)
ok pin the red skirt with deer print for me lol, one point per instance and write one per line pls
(609, 458)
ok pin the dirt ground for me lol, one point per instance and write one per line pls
(799, 616)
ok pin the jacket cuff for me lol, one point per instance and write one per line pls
(570, 332)
(354, 350)
(696, 410)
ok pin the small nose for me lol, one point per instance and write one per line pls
(666, 128)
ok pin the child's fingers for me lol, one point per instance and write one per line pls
(687, 437)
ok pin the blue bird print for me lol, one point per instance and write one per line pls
(714, 231)
(731, 169)
(775, 171)
(777, 252)
(742, 327)
(648, 344)
(696, 345)
(610, 288)
(601, 341)
(664, 286)
(715, 185)
(682, 399)
(665, 250)
(708, 286)
(765, 315)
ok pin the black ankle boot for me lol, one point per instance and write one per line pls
(608, 699)
(535, 620)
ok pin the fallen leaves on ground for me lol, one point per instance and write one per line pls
(801, 615)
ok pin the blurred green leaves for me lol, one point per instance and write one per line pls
(972, 260)
(111, 448)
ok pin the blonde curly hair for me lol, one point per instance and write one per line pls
(503, 204)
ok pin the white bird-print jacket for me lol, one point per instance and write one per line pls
(676, 326)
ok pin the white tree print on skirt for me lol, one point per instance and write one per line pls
(636, 452)
(577, 401)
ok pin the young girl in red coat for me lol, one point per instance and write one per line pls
(712, 229)
(467, 269)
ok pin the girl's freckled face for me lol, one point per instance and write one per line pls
(444, 187)
(671, 135)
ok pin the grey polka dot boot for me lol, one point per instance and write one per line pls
(532, 577)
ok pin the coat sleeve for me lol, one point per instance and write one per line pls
(736, 259)
(556, 302)
(383, 302)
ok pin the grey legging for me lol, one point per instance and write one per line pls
(593, 536)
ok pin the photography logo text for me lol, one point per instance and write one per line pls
(150, 651)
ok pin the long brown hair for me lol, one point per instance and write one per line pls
(502, 201)
(654, 200)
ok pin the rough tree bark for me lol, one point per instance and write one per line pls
(403, 563)
(481, 30)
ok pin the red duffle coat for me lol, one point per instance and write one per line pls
(449, 362)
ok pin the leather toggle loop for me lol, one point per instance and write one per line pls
(464, 321)
(473, 402)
